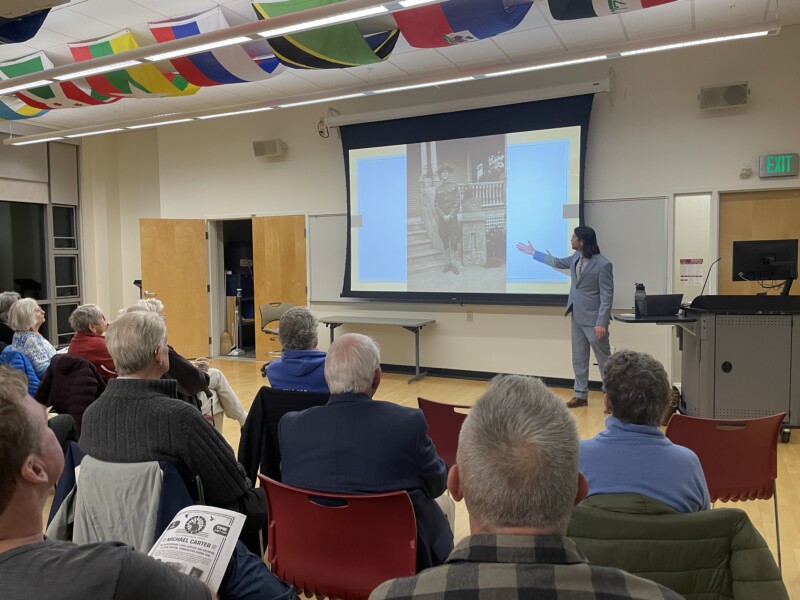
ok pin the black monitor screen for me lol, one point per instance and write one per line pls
(762, 260)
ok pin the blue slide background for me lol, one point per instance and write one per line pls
(382, 238)
(537, 188)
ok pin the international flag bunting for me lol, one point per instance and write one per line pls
(9, 112)
(335, 47)
(57, 95)
(141, 81)
(568, 10)
(231, 64)
(458, 21)
(21, 29)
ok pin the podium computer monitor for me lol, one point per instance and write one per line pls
(765, 260)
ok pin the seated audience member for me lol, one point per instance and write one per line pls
(30, 565)
(89, 324)
(6, 300)
(517, 471)
(356, 445)
(139, 418)
(632, 455)
(197, 379)
(25, 318)
(301, 366)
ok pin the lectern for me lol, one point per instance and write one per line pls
(741, 357)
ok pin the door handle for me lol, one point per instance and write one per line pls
(150, 294)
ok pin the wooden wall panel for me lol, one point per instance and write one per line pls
(279, 269)
(763, 215)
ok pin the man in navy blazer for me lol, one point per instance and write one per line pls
(591, 292)
(355, 444)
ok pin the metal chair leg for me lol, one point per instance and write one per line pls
(777, 526)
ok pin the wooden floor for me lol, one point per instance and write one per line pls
(245, 377)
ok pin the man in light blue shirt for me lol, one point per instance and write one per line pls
(632, 455)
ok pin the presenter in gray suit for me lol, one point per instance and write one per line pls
(590, 294)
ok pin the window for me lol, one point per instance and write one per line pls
(22, 246)
(65, 333)
(66, 276)
(64, 227)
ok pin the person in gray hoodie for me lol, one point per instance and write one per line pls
(302, 366)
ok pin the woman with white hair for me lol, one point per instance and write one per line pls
(25, 318)
(90, 323)
(6, 300)
(208, 384)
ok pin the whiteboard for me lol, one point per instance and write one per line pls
(327, 245)
(632, 234)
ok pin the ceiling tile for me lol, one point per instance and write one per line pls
(527, 44)
(589, 33)
(329, 78)
(421, 61)
(78, 26)
(11, 51)
(121, 14)
(46, 39)
(482, 51)
(379, 72)
(728, 10)
(659, 21)
(176, 8)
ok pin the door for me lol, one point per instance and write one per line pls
(175, 270)
(279, 269)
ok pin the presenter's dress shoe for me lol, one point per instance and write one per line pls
(454, 269)
(577, 402)
(446, 269)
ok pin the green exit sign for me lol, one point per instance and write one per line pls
(777, 165)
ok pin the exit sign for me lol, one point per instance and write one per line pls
(777, 165)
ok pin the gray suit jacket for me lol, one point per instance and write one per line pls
(591, 294)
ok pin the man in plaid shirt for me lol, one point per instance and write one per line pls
(518, 474)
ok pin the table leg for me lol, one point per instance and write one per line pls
(417, 374)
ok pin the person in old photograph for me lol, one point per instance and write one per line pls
(447, 204)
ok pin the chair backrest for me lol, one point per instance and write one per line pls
(271, 312)
(274, 404)
(739, 456)
(339, 545)
(444, 425)
(702, 555)
(70, 385)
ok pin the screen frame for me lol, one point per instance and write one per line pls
(573, 111)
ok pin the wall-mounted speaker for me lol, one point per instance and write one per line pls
(724, 96)
(270, 148)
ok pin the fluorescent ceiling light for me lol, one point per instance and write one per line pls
(236, 112)
(726, 38)
(26, 86)
(41, 141)
(97, 70)
(424, 85)
(413, 3)
(316, 23)
(77, 135)
(332, 99)
(159, 123)
(554, 65)
(200, 48)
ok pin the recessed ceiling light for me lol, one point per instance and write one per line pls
(332, 99)
(97, 70)
(158, 123)
(236, 112)
(199, 48)
(332, 20)
(26, 86)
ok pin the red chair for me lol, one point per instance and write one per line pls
(444, 425)
(339, 545)
(739, 456)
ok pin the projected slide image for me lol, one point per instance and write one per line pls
(456, 215)
(445, 216)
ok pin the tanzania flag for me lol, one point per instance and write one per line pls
(21, 111)
(57, 95)
(567, 10)
(334, 47)
(458, 21)
(253, 61)
(20, 29)
(137, 82)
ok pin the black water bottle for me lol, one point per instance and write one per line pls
(640, 301)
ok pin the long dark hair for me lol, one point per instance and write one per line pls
(589, 239)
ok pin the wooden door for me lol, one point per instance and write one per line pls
(175, 270)
(763, 215)
(279, 269)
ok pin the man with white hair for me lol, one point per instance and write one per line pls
(517, 471)
(356, 445)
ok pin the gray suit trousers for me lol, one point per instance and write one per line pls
(583, 337)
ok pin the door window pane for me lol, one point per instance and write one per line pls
(66, 276)
(65, 333)
(22, 248)
(64, 229)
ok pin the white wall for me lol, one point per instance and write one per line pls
(651, 140)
